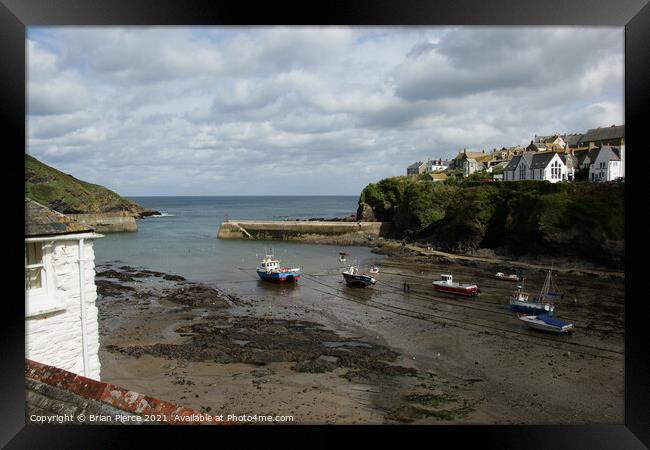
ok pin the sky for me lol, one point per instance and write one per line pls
(304, 110)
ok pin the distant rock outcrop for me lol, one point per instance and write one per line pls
(68, 195)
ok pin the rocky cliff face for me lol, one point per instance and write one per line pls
(582, 220)
(68, 195)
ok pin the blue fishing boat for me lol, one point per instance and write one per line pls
(354, 278)
(520, 302)
(270, 270)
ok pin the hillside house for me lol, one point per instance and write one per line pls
(61, 325)
(597, 137)
(458, 161)
(536, 147)
(572, 140)
(416, 168)
(554, 142)
(605, 164)
(543, 166)
(437, 165)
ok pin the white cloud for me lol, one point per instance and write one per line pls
(311, 110)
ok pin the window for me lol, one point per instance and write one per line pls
(40, 282)
(556, 170)
(522, 172)
(34, 269)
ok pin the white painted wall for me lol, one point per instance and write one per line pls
(603, 169)
(53, 332)
(622, 161)
(563, 170)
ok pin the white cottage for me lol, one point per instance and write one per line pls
(437, 165)
(542, 166)
(606, 164)
(61, 325)
(518, 167)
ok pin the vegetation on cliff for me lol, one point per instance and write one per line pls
(66, 194)
(586, 220)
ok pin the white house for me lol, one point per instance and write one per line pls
(437, 165)
(470, 165)
(606, 164)
(518, 167)
(61, 325)
(543, 166)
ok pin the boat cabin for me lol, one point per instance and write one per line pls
(446, 278)
(269, 264)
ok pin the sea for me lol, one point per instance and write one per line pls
(183, 239)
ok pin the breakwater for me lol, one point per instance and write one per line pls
(117, 222)
(298, 229)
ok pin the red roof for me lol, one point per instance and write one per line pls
(128, 401)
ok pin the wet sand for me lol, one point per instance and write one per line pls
(326, 353)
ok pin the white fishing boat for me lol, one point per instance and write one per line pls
(548, 324)
(374, 269)
(504, 277)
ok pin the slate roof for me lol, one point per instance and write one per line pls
(604, 134)
(415, 165)
(611, 153)
(541, 160)
(461, 155)
(547, 139)
(42, 221)
(571, 161)
(572, 140)
(513, 163)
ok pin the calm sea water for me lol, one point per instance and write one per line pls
(184, 239)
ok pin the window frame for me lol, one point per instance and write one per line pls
(42, 300)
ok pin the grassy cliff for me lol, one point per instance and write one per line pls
(586, 220)
(66, 194)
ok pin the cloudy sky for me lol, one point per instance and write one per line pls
(304, 110)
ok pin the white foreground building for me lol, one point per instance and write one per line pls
(61, 325)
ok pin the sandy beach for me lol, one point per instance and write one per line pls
(367, 356)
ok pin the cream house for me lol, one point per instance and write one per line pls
(61, 325)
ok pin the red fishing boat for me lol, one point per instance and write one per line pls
(448, 286)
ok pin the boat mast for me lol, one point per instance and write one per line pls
(545, 287)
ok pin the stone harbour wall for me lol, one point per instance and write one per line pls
(296, 229)
(108, 222)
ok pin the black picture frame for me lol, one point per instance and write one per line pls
(634, 15)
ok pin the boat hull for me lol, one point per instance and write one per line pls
(468, 291)
(539, 325)
(507, 278)
(531, 308)
(278, 276)
(358, 280)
